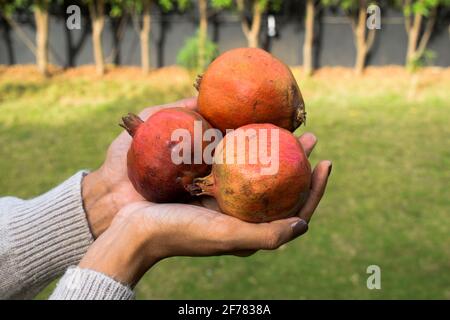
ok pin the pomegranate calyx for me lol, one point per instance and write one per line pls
(198, 81)
(201, 186)
(300, 117)
(131, 122)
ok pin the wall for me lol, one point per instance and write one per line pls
(334, 40)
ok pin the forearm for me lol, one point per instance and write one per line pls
(112, 265)
(121, 253)
(41, 237)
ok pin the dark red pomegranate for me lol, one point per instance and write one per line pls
(151, 168)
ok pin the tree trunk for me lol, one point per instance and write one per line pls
(360, 39)
(251, 32)
(21, 34)
(244, 23)
(96, 9)
(360, 61)
(144, 34)
(41, 17)
(98, 48)
(253, 38)
(423, 42)
(309, 38)
(202, 33)
(413, 38)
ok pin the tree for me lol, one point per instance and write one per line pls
(203, 25)
(251, 29)
(202, 31)
(7, 8)
(310, 14)
(138, 8)
(40, 12)
(97, 14)
(144, 35)
(40, 9)
(364, 39)
(415, 12)
(356, 11)
(144, 8)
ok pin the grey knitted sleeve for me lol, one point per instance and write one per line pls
(85, 284)
(40, 238)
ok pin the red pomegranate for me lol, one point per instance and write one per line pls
(249, 85)
(151, 168)
(243, 188)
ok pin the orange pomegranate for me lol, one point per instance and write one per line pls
(257, 190)
(249, 85)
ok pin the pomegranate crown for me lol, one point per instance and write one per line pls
(131, 122)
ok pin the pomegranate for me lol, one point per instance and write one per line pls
(243, 188)
(151, 168)
(249, 85)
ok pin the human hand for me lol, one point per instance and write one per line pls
(106, 190)
(144, 233)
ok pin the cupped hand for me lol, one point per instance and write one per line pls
(106, 190)
(144, 233)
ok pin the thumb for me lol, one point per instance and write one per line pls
(272, 235)
(189, 103)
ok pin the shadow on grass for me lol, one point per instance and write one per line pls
(14, 90)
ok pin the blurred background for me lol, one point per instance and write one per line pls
(375, 77)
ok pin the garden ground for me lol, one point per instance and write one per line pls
(387, 204)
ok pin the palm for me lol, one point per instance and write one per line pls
(208, 231)
(115, 169)
(188, 230)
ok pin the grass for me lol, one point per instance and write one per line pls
(387, 203)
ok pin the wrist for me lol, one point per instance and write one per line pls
(98, 202)
(120, 253)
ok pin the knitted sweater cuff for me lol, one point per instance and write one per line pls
(85, 284)
(45, 236)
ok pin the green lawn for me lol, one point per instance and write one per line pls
(387, 204)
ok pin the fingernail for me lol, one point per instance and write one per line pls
(311, 135)
(329, 168)
(300, 227)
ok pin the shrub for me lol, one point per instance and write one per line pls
(426, 59)
(188, 55)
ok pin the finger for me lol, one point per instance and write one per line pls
(244, 253)
(210, 203)
(196, 202)
(267, 236)
(189, 103)
(308, 142)
(318, 184)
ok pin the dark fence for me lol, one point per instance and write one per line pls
(334, 43)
